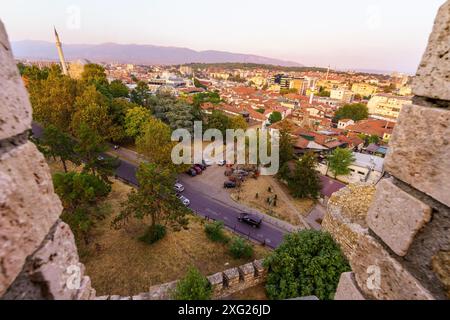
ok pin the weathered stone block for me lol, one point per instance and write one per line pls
(28, 208)
(260, 271)
(15, 108)
(216, 281)
(419, 152)
(433, 75)
(347, 288)
(380, 276)
(247, 272)
(396, 216)
(231, 277)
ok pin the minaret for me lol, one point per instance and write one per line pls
(328, 73)
(61, 54)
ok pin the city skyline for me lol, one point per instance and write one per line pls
(370, 36)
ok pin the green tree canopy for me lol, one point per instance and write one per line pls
(135, 120)
(286, 144)
(275, 117)
(59, 145)
(356, 112)
(194, 286)
(118, 89)
(304, 181)
(306, 263)
(155, 199)
(340, 160)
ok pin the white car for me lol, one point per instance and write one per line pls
(178, 187)
(221, 163)
(184, 200)
(208, 162)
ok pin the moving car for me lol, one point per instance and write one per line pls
(178, 187)
(229, 184)
(184, 200)
(251, 219)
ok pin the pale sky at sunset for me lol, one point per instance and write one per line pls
(362, 34)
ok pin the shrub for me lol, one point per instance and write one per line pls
(306, 263)
(154, 234)
(214, 231)
(239, 248)
(194, 286)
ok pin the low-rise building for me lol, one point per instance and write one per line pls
(387, 106)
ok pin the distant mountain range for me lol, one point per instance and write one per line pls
(137, 54)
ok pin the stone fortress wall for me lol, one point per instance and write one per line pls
(399, 246)
(223, 283)
(398, 250)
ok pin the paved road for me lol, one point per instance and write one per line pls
(205, 206)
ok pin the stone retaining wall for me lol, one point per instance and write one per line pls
(402, 248)
(223, 283)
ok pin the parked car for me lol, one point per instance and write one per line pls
(201, 166)
(229, 184)
(198, 170)
(208, 162)
(178, 187)
(251, 219)
(100, 158)
(221, 163)
(184, 200)
(241, 172)
(191, 172)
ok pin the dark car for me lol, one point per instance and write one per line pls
(201, 166)
(198, 170)
(191, 172)
(251, 219)
(229, 184)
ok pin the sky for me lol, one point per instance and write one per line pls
(385, 35)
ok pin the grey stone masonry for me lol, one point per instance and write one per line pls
(433, 75)
(347, 288)
(397, 216)
(419, 151)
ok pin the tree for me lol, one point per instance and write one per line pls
(356, 112)
(155, 143)
(53, 100)
(140, 94)
(59, 145)
(275, 117)
(80, 194)
(214, 231)
(118, 110)
(135, 120)
(155, 199)
(340, 160)
(240, 249)
(286, 143)
(180, 116)
(304, 181)
(94, 74)
(218, 120)
(93, 110)
(194, 286)
(237, 122)
(198, 84)
(90, 147)
(306, 263)
(118, 89)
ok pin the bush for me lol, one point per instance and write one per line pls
(239, 248)
(194, 286)
(154, 234)
(214, 231)
(306, 263)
